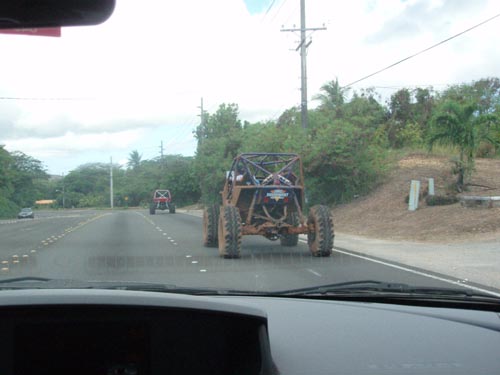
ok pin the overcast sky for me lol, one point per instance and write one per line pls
(137, 79)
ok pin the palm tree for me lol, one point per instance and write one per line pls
(461, 125)
(134, 159)
(333, 96)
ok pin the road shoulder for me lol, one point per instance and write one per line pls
(467, 261)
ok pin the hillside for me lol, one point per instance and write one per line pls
(384, 213)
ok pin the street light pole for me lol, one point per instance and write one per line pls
(64, 201)
(111, 182)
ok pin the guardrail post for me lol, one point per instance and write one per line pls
(414, 193)
(431, 186)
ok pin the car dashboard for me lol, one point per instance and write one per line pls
(132, 332)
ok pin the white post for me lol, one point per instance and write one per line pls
(111, 181)
(64, 200)
(431, 186)
(414, 193)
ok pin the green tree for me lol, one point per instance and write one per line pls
(290, 117)
(332, 97)
(22, 181)
(134, 159)
(484, 92)
(341, 162)
(423, 108)
(182, 181)
(91, 180)
(461, 125)
(364, 111)
(220, 143)
(6, 172)
(400, 114)
(27, 179)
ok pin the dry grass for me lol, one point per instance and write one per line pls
(384, 214)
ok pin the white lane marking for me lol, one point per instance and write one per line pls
(420, 273)
(194, 262)
(314, 272)
(203, 270)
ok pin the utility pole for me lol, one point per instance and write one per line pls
(62, 191)
(303, 63)
(111, 181)
(161, 150)
(64, 200)
(202, 122)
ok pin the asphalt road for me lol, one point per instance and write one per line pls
(131, 245)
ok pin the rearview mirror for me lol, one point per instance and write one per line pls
(53, 13)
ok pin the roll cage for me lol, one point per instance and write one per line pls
(264, 169)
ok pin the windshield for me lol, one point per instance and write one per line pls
(256, 145)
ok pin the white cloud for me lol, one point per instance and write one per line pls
(139, 76)
(71, 144)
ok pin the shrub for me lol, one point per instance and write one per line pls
(8, 209)
(440, 200)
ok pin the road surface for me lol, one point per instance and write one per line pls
(131, 245)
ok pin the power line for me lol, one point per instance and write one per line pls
(422, 51)
(409, 86)
(270, 6)
(278, 11)
(40, 98)
(283, 108)
(292, 13)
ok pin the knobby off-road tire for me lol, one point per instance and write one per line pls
(210, 226)
(291, 239)
(320, 239)
(229, 232)
(171, 208)
(152, 209)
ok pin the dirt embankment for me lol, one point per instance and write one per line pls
(384, 213)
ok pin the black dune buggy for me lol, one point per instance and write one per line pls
(264, 195)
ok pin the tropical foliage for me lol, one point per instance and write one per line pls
(23, 180)
(345, 149)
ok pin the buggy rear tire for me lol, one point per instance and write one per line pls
(291, 239)
(171, 208)
(152, 209)
(210, 226)
(320, 238)
(229, 232)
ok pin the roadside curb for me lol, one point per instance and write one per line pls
(197, 213)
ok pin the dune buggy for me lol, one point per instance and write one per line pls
(264, 195)
(162, 200)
